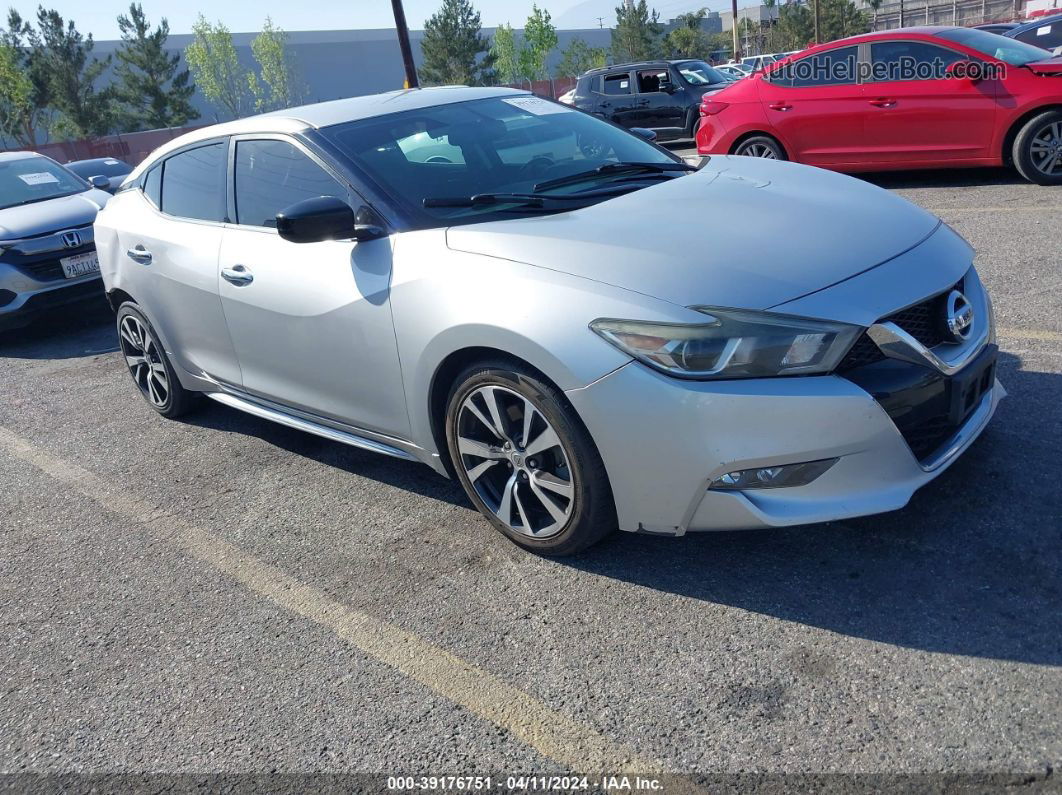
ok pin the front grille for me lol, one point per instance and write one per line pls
(925, 321)
(45, 271)
(45, 267)
(926, 437)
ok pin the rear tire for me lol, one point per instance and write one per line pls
(149, 366)
(547, 492)
(760, 146)
(1037, 151)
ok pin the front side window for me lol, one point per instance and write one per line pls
(617, 84)
(831, 68)
(26, 180)
(1010, 51)
(272, 175)
(651, 81)
(511, 145)
(193, 183)
(910, 60)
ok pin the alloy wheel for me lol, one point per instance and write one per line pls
(757, 150)
(144, 358)
(515, 461)
(1046, 149)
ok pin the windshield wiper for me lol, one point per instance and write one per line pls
(612, 168)
(523, 199)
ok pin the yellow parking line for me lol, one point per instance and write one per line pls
(551, 733)
(1029, 334)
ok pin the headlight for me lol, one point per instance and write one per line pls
(733, 343)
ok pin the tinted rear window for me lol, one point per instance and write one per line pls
(193, 183)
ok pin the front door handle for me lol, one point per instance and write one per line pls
(780, 106)
(238, 275)
(882, 102)
(139, 254)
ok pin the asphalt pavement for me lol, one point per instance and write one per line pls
(221, 594)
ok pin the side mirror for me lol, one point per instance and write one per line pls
(100, 182)
(325, 218)
(645, 133)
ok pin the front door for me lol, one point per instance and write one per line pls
(915, 112)
(311, 322)
(659, 102)
(816, 105)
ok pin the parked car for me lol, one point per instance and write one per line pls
(1045, 32)
(535, 312)
(568, 97)
(998, 27)
(47, 254)
(758, 62)
(732, 71)
(989, 101)
(661, 96)
(112, 168)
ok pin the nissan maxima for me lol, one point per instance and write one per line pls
(585, 331)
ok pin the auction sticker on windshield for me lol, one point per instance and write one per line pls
(80, 265)
(38, 178)
(536, 106)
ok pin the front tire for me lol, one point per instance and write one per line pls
(526, 461)
(760, 146)
(1037, 149)
(149, 366)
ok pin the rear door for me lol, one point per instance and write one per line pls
(311, 322)
(816, 104)
(171, 235)
(616, 97)
(916, 113)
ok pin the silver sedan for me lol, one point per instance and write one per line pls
(584, 330)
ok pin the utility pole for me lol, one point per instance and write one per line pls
(601, 22)
(734, 20)
(817, 22)
(403, 43)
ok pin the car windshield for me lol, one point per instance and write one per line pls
(105, 167)
(698, 73)
(501, 145)
(1010, 51)
(33, 179)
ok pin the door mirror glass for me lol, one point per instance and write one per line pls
(644, 132)
(316, 219)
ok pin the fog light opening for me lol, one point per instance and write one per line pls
(773, 477)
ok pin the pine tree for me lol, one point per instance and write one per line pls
(151, 92)
(636, 36)
(452, 47)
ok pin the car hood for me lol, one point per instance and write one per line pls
(741, 232)
(1048, 66)
(52, 215)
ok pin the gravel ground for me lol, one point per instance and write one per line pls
(220, 594)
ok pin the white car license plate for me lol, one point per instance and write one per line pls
(80, 265)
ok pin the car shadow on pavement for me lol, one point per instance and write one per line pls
(971, 566)
(408, 475)
(944, 178)
(85, 329)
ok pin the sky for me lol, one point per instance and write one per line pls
(98, 16)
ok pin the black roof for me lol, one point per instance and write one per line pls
(638, 64)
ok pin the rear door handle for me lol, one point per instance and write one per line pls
(780, 106)
(139, 254)
(882, 102)
(237, 274)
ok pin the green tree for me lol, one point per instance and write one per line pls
(688, 40)
(151, 90)
(636, 36)
(540, 37)
(218, 72)
(279, 86)
(26, 93)
(454, 51)
(506, 50)
(795, 28)
(60, 65)
(579, 57)
(841, 18)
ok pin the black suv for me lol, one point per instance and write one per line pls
(663, 96)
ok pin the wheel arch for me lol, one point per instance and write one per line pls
(116, 297)
(1006, 151)
(756, 133)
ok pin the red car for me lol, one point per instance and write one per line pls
(927, 97)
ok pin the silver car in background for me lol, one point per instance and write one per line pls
(47, 254)
(585, 331)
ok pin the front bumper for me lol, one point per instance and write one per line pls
(663, 441)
